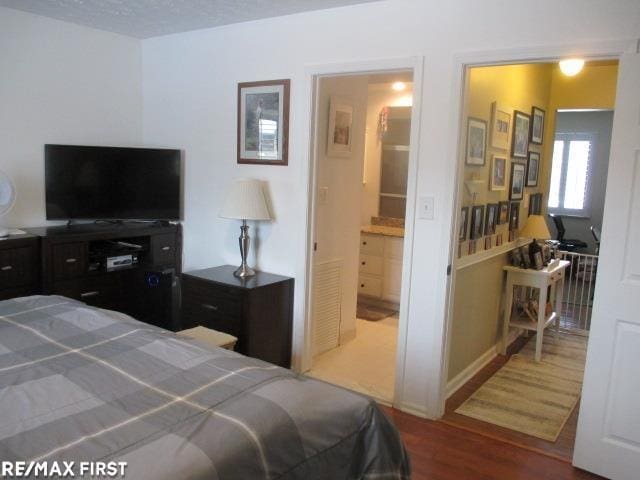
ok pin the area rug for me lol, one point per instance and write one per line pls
(373, 312)
(535, 398)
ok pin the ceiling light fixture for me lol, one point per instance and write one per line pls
(571, 66)
(398, 86)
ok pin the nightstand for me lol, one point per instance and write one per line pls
(257, 310)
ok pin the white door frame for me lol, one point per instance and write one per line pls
(312, 74)
(587, 50)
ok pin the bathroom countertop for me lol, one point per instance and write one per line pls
(383, 230)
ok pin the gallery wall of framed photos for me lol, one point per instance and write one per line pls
(506, 110)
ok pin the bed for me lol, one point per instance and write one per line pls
(83, 384)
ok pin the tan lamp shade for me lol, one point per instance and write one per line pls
(536, 227)
(246, 201)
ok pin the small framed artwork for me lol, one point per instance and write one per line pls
(490, 219)
(498, 240)
(472, 247)
(503, 213)
(263, 122)
(516, 187)
(532, 206)
(533, 166)
(537, 204)
(477, 217)
(476, 141)
(498, 173)
(340, 128)
(520, 134)
(537, 125)
(514, 216)
(487, 243)
(464, 222)
(500, 126)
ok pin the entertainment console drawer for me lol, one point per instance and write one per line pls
(99, 290)
(69, 260)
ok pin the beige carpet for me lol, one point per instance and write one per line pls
(531, 397)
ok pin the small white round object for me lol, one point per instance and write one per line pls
(7, 198)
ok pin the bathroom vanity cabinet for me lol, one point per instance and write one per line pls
(380, 269)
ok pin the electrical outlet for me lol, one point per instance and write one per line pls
(426, 206)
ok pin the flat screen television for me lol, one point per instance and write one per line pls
(111, 183)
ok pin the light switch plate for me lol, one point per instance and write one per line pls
(426, 206)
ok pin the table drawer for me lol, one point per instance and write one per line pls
(16, 267)
(210, 305)
(163, 248)
(69, 260)
(371, 244)
(370, 286)
(370, 264)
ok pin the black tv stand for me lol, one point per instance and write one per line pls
(74, 265)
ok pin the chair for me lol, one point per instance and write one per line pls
(569, 245)
(595, 231)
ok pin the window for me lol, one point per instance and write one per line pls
(570, 174)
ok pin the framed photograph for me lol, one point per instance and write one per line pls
(340, 128)
(500, 126)
(537, 204)
(526, 258)
(537, 125)
(516, 187)
(503, 213)
(477, 217)
(498, 240)
(516, 257)
(498, 173)
(464, 222)
(476, 141)
(533, 166)
(514, 216)
(263, 122)
(490, 219)
(520, 136)
(487, 243)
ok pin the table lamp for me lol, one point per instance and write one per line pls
(245, 201)
(536, 228)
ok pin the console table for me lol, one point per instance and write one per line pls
(551, 276)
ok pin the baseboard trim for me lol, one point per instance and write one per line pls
(482, 361)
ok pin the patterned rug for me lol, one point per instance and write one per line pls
(373, 313)
(535, 398)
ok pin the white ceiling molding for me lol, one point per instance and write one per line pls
(152, 18)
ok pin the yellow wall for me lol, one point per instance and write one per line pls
(593, 87)
(477, 314)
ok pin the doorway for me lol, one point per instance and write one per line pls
(362, 171)
(505, 183)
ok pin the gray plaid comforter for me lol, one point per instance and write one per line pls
(83, 384)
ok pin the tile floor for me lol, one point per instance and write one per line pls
(365, 364)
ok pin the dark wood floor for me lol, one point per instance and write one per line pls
(441, 451)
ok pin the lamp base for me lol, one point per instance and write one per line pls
(244, 271)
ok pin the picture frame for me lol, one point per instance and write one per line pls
(491, 219)
(476, 141)
(340, 129)
(520, 134)
(533, 168)
(500, 126)
(537, 125)
(514, 216)
(263, 122)
(498, 176)
(464, 223)
(477, 218)
(503, 213)
(516, 184)
(516, 258)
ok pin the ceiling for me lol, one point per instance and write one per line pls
(152, 18)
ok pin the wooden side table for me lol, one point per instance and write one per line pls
(551, 276)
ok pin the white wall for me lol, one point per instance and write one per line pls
(599, 123)
(190, 83)
(380, 95)
(338, 219)
(61, 83)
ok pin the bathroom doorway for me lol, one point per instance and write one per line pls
(362, 156)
